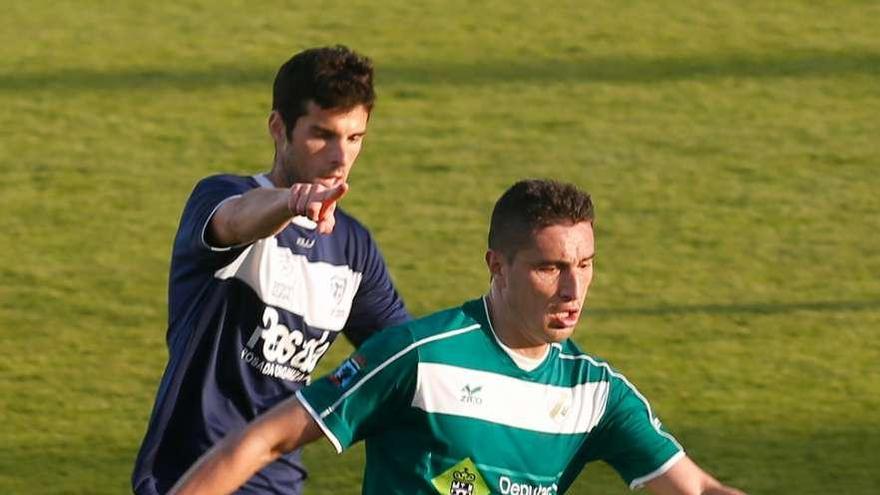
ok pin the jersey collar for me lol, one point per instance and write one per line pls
(522, 362)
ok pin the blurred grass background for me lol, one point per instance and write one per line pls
(731, 148)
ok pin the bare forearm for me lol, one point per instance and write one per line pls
(257, 214)
(227, 466)
(706, 487)
(233, 461)
(262, 212)
(711, 486)
(722, 490)
(686, 478)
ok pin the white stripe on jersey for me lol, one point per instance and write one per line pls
(640, 481)
(395, 357)
(651, 417)
(320, 421)
(319, 292)
(510, 401)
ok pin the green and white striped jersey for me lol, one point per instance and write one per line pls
(444, 409)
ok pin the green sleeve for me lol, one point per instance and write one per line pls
(365, 393)
(631, 439)
(628, 437)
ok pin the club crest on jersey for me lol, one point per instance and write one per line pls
(561, 407)
(461, 479)
(462, 482)
(347, 370)
(337, 287)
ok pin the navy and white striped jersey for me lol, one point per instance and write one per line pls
(248, 324)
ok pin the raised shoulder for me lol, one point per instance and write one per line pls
(424, 333)
(226, 181)
(451, 320)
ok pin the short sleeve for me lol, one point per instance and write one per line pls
(376, 304)
(365, 393)
(206, 197)
(629, 438)
(632, 439)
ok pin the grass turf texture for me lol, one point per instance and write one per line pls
(730, 147)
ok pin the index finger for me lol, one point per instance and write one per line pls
(331, 194)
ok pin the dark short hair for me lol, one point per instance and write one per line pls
(533, 204)
(332, 77)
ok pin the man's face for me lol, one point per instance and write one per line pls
(323, 145)
(543, 289)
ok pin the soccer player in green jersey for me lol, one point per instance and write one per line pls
(487, 398)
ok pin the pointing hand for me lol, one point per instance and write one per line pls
(317, 202)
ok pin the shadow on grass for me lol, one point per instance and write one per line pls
(733, 309)
(636, 69)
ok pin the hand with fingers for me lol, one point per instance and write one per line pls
(317, 202)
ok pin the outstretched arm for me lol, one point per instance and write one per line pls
(686, 478)
(262, 212)
(237, 457)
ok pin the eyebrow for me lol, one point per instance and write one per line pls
(323, 130)
(553, 262)
(331, 132)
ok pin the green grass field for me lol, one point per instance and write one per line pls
(731, 148)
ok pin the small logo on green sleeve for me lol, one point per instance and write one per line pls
(347, 370)
(461, 479)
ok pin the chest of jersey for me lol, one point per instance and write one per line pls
(297, 307)
(508, 434)
(319, 292)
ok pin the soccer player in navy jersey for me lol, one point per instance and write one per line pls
(266, 271)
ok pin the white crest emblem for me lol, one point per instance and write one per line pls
(561, 407)
(337, 288)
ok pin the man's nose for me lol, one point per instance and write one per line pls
(336, 151)
(570, 285)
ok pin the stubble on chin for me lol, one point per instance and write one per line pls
(288, 174)
(557, 335)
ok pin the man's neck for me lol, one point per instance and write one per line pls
(510, 332)
(276, 177)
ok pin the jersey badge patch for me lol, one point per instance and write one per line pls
(347, 370)
(562, 403)
(338, 285)
(461, 479)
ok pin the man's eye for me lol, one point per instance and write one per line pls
(321, 134)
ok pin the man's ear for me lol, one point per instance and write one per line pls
(496, 262)
(277, 129)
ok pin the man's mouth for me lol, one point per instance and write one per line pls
(331, 181)
(565, 318)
